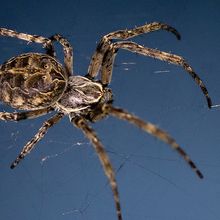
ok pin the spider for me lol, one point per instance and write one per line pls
(37, 84)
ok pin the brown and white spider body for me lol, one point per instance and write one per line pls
(80, 95)
(38, 84)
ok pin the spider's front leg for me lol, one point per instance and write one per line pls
(106, 42)
(108, 61)
(103, 157)
(167, 57)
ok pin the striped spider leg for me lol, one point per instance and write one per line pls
(106, 41)
(81, 123)
(106, 51)
(47, 43)
(67, 50)
(18, 116)
(38, 136)
(152, 130)
(108, 109)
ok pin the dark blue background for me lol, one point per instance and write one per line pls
(62, 178)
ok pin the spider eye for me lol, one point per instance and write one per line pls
(45, 64)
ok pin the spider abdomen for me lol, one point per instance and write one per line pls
(80, 94)
(31, 81)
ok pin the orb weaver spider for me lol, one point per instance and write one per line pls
(38, 84)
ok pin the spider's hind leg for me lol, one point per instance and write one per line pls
(17, 116)
(40, 134)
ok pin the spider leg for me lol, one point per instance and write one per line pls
(153, 130)
(103, 157)
(40, 134)
(27, 37)
(108, 61)
(155, 26)
(50, 50)
(17, 116)
(107, 65)
(105, 42)
(47, 43)
(67, 50)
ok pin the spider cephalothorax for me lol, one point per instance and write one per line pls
(38, 84)
(81, 93)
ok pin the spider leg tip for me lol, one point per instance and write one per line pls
(12, 166)
(200, 175)
(209, 102)
(15, 163)
(178, 36)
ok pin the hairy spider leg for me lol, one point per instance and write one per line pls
(17, 116)
(154, 26)
(50, 50)
(103, 157)
(107, 66)
(40, 134)
(27, 37)
(67, 50)
(153, 130)
(47, 43)
(170, 58)
(105, 42)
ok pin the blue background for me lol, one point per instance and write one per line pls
(62, 178)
